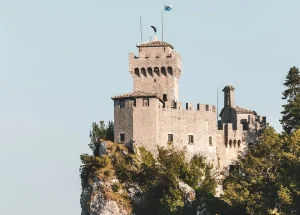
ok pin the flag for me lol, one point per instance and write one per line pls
(168, 7)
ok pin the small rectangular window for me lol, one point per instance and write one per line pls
(122, 137)
(146, 102)
(170, 138)
(210, 141)
(122, 103)
(165, 97)
(191, 138)
(133, 102)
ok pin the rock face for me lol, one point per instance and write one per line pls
(93, 202)
(188, 193)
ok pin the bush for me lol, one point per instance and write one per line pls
(115, 187)
(107, 172)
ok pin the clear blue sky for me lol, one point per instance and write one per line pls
(61, 61)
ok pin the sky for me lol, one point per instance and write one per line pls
(62, 61)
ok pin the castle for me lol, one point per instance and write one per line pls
(153, 115)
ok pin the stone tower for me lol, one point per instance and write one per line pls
(156, 69)
(228, 96)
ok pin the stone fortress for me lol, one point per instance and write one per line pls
(153, 115)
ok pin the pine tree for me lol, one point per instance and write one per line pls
(291, 113)
(110, 131)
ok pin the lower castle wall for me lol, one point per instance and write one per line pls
(181, 123)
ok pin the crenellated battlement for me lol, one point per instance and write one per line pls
(190, 106)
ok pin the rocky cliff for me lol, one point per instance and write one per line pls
(123, 180)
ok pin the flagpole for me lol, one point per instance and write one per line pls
(141, 29)
(217, 106)
(162, 25)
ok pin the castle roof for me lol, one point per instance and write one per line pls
(155, 43)
(228, 87)
(137, 94)
(240, 110)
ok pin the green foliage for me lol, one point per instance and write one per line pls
(107, 172)
(160, 181)
(110, 131)
(90, 165)
(267, 180)
(115, 187)
(100, 131)
(291, 113)
(147, 157)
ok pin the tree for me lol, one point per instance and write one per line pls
(253, 187)
(100, 131)
(291, 113)
(160, 182)
(110, 131)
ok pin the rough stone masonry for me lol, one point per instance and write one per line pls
(153, 115)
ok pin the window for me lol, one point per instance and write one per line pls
(210, 141)
(245, 124)
(234, 143)
(150, 71)
(165, 97)
(156, 70)
(122, 137)
(145, 102)
(239, 143)
(143, 71)
(137, 72)
(170, 71)
(170, 138)
(133, 101)
(191, 138)
(163, 71)
(122, 103)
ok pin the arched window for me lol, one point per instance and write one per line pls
(150, 71)
(163, 71)
(170, 71)
(234, 143)
(137, 72)
(239, 143)
(156, 71)
(230, 143)
(143, 71)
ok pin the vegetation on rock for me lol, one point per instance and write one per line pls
(265, 180)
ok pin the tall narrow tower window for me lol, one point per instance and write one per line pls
(143, 71)
(170, 138)
(137, 72)
(122, 137)
(163, 71)
(122, 103)
(150, 71)
(146, 102)
(239, 143)
(170, 71)
(156, 70)
(165, 97)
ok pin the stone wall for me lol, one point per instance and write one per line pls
(145, 123)
(182, 122)
(123, 122)
(156, 71)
